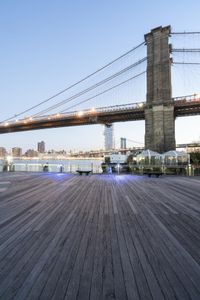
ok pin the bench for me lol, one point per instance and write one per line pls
(157, 174)
(81, 172)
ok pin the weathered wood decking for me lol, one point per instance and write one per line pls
(99, 237)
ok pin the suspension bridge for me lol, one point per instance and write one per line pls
(88, 101)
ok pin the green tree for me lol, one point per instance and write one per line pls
(195, 158)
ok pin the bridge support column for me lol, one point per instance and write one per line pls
(159, 112)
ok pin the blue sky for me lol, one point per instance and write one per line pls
(47, 45)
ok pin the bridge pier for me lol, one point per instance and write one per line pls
(159, 111)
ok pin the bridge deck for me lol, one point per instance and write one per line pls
(104, 115)
(99, 237)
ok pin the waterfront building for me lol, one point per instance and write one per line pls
(31, 153)
(109, 137)
(195, 147)
(16, 152)
(116, 158)
(41, 147)
(3, 152)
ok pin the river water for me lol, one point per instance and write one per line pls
(60, 165)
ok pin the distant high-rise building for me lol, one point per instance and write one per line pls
(109, 137)
(41, 147)
(3, 152)
(123, 143)
(16, 152)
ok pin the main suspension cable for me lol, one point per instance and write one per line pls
(75, 84)
(107, 90)
(90, 88)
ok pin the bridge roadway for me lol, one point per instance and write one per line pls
(183, 106)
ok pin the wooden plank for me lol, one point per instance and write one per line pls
(78, 263)
(47, 270)
(99, 237)
(129, 278)
(174, 256)
(57, 279)
(88, 267)
(119, 283)
(146, 278)
(96, 290)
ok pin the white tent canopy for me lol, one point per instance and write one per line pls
(148, 153)
(149, 157)
(174, 153)
(176, 157)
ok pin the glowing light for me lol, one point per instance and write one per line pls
(9, 158)
(196, 95)
(93, 110)
(118, 167)
(56, 115)
(121, 177)
(30, 119)
(6, 124)
(141, 105)
(80, 114)
(16, 120)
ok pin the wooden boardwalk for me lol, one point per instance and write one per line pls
(99, 237)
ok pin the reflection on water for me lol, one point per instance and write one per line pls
(68, 166)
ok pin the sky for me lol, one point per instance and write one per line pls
(48, 45)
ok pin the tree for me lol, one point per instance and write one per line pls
(195, 158)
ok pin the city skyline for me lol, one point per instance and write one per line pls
(40, 57)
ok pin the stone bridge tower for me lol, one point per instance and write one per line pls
(159, 111)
